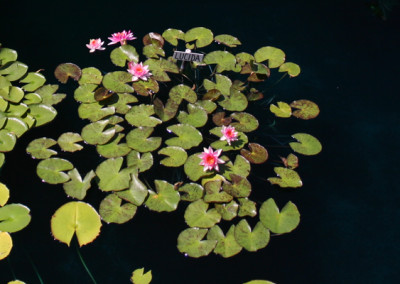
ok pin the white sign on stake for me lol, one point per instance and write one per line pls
(188, 56)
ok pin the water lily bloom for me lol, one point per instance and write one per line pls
(95, 44)
(209, 159)
(121, 37)
(139, 71)
(229, 134)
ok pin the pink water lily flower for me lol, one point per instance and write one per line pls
(139, 71)
(209, 159)
(121, 37)
(95, 44)
(229, 134)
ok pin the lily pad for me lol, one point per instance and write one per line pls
(77, 187)
(227, 245)
(145, 88)
(16, 126)
(67, 142)
(140, 115)
(94, 111)
(291, 68)
(2, 159)
(279, 222)
(257, 154)
(254, 95)
(307, 144)
(159, 67)
(38, 148)
(97, 132)
(4, 194)
(67, 70)
(190, 242)
(228, 211)
(153, 51)
(172, 36)
(166, 112)
(245, 122)
(153, 39)
(227, 40)
(251, 240)
(116, 82)
(42, 113)
(139, 277)
(191, 191)
(176, 156)
(122, 102)
(240, 186)
(14, 94)
(188, 136)
(243, 58)
(76, 217)
(247, 207)
(14, 217)
(275, 56)
(33, 81)
(305, 109)
(52, 170)
(291, 161)
(32, 98)
(13, 70)
(111, 177)
(198, 215)
(136, 193)
(214, 193)
(111, 210)
(114, 149)
(142, 162)
(202, 36)
(219, 119)
(7, 55)
(282, 110)
(48, 95)
(182, 92)
(237, 101)
(6, 244)
(138, 139)
(286, 178)
(120, 55)
(85, 93)
(165, 199)
(90, 75)
(196, 117)
(241, 167)
(259, 282)
(102, 94)
(225, 61)
(222, 144)
(222, 84)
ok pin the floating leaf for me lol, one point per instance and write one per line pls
(279, 222)
(14, 94)
(225, 61)
(226, 246)
(251, 240)
(7, 55)
(124, 53)
(222, 84)
(275, 56)
(116, 82)
(247, 208)
(34, 81)
(66, 70)
(159, 67)
(94, 111)
(192, 192)
(97, 133)
(190, 242)
(142, 162)
(52, 170)
(153, 39)
(182, 92)
(291, 161)
(214, 193)
(240, 186)
(254, 95)
(4, 194)
(38, 148)
(138, 139)
(257, 154)
(67, 142)
(139, 277)
(2, 159)
(176, 156)
(245, 122)
(306, 145)
(16, 282)
(241, 167)
(243, 58)
(222, 144)
(305, 109)
(282, 110)
(228, 211)
(42, 113)
(167, 112)
(13, 70)
(111, 177)
(75, 217)
(286, 178)
(165, 199)
(16, 126)
(136, 193)
(14, 217)
(113, 149)
(227, 40)
(47, 93)
(146, 88)
(259, 282)
(291, 68)
(6, 245)
(235, 102)
(172, 36)
(122, 102)
(202, 36)
(198, 215)
(197, 116)
(90, 75)
(153, 51)
(102, 94)
(111, 210)
(188, 136)
(77, 187)
(85, 94)
(140, 115)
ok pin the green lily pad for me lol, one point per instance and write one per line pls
(214, 193)
(222, 84)
(188, 136)
(254, 95)
(291, 68)
(113, 149)
(172, 36)
(32, 98)
(291, 161)
(207, 105)
(198, 215)
(153, 38)
(16, 125)
(197, 116)
(76, 217)
(116, 82)
(122, 102)
(190, 242)
(111, 210)
(47, 93)
(111, 177)
(257, 154)
(176, 156)
(237, 101)
(145, 88)
(243, 58)
(67, 70)
(13, 70)
(159, 67)
(38, 148)
(240, 186)
(17, 110)
(6, 245)
(305, 109)
(166, 112)
(286, 178)
(165, 199)
(7, 140)
(139, 277)
(275, 56)
(222, 144)
(67, 142)
(77, 187)
(202, 36)
(228, 211)
(52, 170)
(241, 167)
(7, 55)
(14, 217)
(279, 222)
(90, 75)
(247, 207)
(251, 240)
(259, 282)
(227, 40)
(192, 168)
(140, 115)
(33, 81)
(4, 194)
(42, 113)
(136, 193)
(142, 162)
(5, 86)
(97, 132)
(191, 191)
(85, 93)
(14, 94)
(153, 51)
(212, 94)
(138, 139)
(182, 92)
(94, 111)
(225, 61)
(245, 122)
(307, 144)
(120, 55)
(282, 110)
(227, 245)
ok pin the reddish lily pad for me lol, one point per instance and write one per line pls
(305, 109)
(257, 154)
(67, 70)
(153, 39)
(240, 186)
(291, 162)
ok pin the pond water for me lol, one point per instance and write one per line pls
(349, 59)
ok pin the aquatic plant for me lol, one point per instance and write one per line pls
(175, 116)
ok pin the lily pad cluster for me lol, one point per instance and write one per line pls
(151, 131)
(25, 100)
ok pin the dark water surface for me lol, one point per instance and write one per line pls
(349, 230)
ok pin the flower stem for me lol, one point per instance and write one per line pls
(84, 264)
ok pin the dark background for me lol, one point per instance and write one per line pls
(349, 202)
